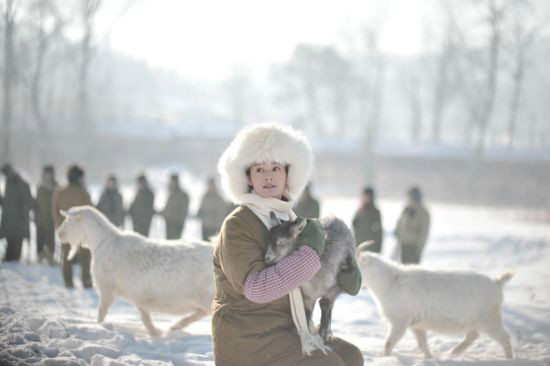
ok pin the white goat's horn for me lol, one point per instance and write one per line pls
(364, 245)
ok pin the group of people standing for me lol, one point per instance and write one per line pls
(411, 230)
(18, 203)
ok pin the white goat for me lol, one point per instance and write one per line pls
(462, 302)
(172, 277)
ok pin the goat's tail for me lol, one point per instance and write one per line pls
(505, 277)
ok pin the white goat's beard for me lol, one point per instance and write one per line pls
(74, 250)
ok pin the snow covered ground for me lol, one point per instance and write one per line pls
(42, 323)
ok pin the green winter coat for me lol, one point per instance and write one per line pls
(367, 225)
(16, 206)
(245, 333)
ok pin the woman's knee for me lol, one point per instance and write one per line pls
(349, 353)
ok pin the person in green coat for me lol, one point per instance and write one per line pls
(16, 206)
(367, 222)
(43, 218)
(73, 194)
(412, 228)
(142, 208)
(176, 209)
(110, 202)
(307, 205)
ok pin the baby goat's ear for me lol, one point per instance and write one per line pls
(298, 225)
(274, 219)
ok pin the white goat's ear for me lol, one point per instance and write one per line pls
(64, 213)
(74, 250)
(298, 225)
(274, 219)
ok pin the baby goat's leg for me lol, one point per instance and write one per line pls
(148, 322)
(198, 314)
(106, 299)
(467, 342)
(326, 304)
(394, 335)
(420, 335)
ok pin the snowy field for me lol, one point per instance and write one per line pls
(42, 323)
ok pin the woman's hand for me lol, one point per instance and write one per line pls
(313, 236)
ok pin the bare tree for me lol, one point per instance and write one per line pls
(482, 96)
(524, 33)
(8, 75)
(87, 13)
(42, 13)
(412, 93)
(445, 83)
(371, 79)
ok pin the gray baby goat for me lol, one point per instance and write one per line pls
(339, 246)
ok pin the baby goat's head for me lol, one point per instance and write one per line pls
(283, 238)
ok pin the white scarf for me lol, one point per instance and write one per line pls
(263, 207)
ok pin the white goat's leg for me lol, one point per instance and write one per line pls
(498, 333)
(198, 314)
(467, 342)
(106, 299)
(148, 322)
(394, 335)
(422, 341)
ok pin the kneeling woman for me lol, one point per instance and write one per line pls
(263, 168)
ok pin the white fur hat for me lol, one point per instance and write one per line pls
(264, 143)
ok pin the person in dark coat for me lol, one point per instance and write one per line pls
(74, 194)
(142, 208)
(367, 222)
(307, 205)
(43, 218)
(413, 227)
(176, 209)
(212, 211)
(110, 202)
(16, 206)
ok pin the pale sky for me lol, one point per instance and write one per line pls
(204, 39)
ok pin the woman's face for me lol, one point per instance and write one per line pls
(268, 179)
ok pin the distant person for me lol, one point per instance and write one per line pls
(43, 216)
(16, 206)
(367, 222)
(212, 211)
(74, 194)
(413, 227)
(307, 205)
(176, 209)
(142, 208)
(110, 202)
